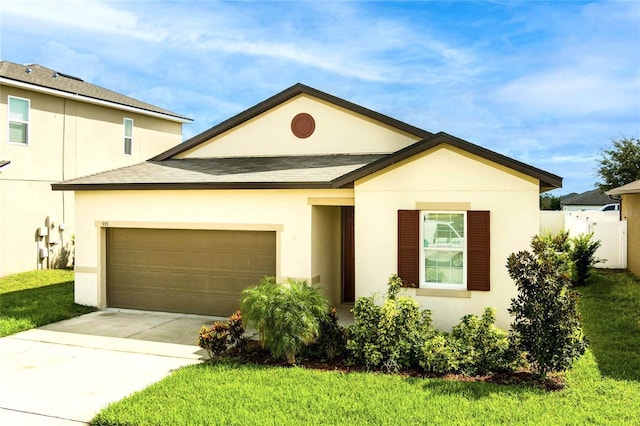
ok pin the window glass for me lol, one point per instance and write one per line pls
(444, 247)
(128, 135)
(18, 120)
(18, 133)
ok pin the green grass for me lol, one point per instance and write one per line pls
(231, 394)
(610, 309)
(36, 298)
(602, 388)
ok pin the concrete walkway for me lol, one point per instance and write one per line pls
(64, 373)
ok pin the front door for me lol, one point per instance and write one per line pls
(348, 256)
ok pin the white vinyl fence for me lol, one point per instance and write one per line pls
(606, 227)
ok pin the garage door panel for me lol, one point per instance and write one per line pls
(191, 271)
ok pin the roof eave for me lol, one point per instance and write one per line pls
(90, 100)
(187, 185)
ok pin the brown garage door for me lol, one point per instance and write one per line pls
(190, 271)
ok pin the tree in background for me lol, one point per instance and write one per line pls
(620, 164)
(549, 202)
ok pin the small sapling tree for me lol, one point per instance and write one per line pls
(547, 323)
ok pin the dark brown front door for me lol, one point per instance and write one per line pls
(348, 256)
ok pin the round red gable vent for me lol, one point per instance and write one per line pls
(303, 125)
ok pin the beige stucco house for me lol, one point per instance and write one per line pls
(630, 210)
(55, 127)
(308, 186)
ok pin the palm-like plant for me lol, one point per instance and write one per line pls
(286, 316)
(257, 305)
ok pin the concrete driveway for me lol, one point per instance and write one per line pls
(64, 373)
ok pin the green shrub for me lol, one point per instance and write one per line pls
(547, 324)
(286, 316)
(560, 243)
(474, 347)
(364, 331)
(583, 255)
(482, 347)
(332, 340)
(578, 252)
(439, 354)
(390, 335)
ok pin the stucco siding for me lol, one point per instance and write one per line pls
(284, 211)
(100, 144)
(336, 131)
(445, 176)
(325, 251)
(25, 206)
(631, 211)
(67, 139)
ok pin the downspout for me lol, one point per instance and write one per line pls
(64, 137)
(619, 199)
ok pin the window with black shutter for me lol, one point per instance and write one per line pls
(444, 249)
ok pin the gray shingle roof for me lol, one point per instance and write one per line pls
(589, 198)
(314, 171)
(51, 79)
(229, 172)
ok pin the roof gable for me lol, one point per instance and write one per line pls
(329, 129)
(38, 78)
(279, 99)
(324, 170)
(547, 180)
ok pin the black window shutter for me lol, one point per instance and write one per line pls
(409, 247)
(478, 250)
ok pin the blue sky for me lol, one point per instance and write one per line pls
(547, 83)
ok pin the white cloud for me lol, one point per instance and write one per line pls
(569, 92)
(93, 15)
(573, 158)
(62, 58)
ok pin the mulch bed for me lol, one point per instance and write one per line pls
(256, 355)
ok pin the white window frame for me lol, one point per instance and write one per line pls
(449, 286)
(26, 123)
(129, 137)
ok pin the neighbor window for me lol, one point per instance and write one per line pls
(128, 135)
(18, 120)
(444, 247)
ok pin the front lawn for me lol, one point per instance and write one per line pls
(32, 299)
(602, 388)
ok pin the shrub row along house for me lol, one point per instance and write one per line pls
(309, 186)
(54, 127)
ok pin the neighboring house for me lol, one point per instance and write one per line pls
(309, 186)
(55, 127)
(590, 200)
(630, 207)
